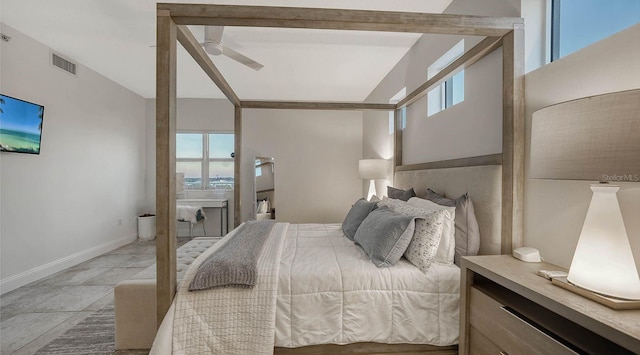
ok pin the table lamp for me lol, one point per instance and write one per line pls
(595, 138)
(372, 169)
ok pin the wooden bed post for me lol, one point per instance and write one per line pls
(513, 126)
(397, 139)
(237, 165)
(172, 21)
(165, 162)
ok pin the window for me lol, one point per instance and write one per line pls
(258, 164)
(205, 159)
(403, 112)
(451, 91)
(576, 24)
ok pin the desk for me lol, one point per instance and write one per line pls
(222, 204)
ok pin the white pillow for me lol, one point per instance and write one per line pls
(447, 248)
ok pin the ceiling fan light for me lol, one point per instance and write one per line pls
(213, 48)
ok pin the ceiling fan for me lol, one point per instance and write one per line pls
(213, 45)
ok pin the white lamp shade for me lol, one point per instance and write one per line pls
(595, 138)
(603, 261)
(372, 169)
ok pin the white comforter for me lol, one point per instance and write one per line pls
(329, 293)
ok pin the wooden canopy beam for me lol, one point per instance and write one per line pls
(397, 139)
(339, 19)
(513, 140)
(471, 56)
(491, 159)
(190, 43)
(237, 165)
(301, 105)
(172, 20)
(166, 54)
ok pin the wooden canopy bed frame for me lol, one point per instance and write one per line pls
(172, 21)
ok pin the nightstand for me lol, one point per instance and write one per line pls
(506, 308)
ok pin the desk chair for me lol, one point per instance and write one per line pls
(192, 215)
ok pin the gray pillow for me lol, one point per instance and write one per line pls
(467, 231)
(358, 212)
(385, 235)
(399, 194)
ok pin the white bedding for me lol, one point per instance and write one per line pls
(230, 320)
(328, 292)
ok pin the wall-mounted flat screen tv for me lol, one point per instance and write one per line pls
(20, 125)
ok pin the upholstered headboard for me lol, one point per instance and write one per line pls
(484, 185)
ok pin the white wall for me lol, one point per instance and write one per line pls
(470, 128)
(537, 50)
(191, 115)
(316, 157)
(80, 197)
(555, 210)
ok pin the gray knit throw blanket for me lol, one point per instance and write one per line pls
(234, 263)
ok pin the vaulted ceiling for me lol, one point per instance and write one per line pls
(116, 38)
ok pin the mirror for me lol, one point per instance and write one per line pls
(264, 187)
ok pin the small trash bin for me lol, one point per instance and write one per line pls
(147, 226)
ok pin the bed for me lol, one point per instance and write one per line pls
(328, 293)
(494, 182)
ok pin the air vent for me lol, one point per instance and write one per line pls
(64, 64)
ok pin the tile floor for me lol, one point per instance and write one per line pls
(33, 315)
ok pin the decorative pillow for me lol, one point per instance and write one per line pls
(428, 233)
(426, 238)
(385, 235)
(358, 212)
(447, 247)
(399, 194)
(467, 233)
(391, 203)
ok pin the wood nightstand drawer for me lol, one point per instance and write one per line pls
(507, 329)
(480, 344)
(507, 308)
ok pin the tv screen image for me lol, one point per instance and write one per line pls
(20, 125)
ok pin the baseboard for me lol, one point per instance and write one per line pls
(37, 273)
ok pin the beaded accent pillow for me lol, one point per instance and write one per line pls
(426, 239)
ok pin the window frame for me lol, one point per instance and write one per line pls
(555, 30)
(399, 96)
(554, 12)
(205, 160)
(443, 94)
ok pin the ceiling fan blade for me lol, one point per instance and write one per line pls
(213, 33)
(241, 58)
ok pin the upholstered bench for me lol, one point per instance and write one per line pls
(135, 299)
